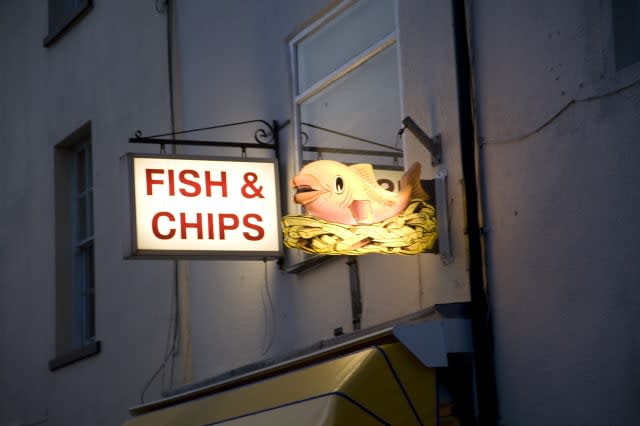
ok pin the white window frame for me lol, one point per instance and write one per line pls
(75, 321)
(82, 246)
(350, 66)
(305, 261)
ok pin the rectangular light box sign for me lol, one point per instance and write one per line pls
(202, 207)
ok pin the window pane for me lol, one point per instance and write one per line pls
(626, 30)
(70, 6)
(89, 324)
(365, 103)
(81, 171)
(342, 39)
(89, 212)
(81, 218)
(89, 167)
(89, 295)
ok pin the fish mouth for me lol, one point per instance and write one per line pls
(306, 194)
(306, 188)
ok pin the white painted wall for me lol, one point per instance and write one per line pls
(561, 211)
(234, 66)
(110, 69)
(231, 65)
(562, 270)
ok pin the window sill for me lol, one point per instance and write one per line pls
(64, 26)
(75, 355)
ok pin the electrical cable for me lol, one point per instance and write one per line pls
(538, 129)
(172, 115)
(168, 350)
(572, 102)
(176, 323)
(172, 332)
(268, 314)
(173, 325)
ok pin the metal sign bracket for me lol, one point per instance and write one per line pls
(266, 136)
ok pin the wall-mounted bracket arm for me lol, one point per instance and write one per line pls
(265, 137)
(433, 145)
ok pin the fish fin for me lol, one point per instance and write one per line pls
(361, 211)
(372, 189)
(410, 182)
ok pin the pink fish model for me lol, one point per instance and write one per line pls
(351, 195)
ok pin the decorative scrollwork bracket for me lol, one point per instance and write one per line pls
(266, 136)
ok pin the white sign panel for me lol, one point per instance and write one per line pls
(199, 206)
(389, 179)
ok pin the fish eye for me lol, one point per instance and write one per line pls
(338, 185)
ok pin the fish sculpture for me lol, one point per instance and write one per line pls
(351, 195)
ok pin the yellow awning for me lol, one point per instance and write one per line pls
(379, 385)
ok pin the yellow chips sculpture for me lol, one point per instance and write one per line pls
(411, 232)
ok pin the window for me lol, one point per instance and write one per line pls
(626, 31)
(346, 85)
(346, 93)
(75, 283)
(82, 246)
(63, 14)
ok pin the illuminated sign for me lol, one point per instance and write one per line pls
(349, 211)
(202, 207)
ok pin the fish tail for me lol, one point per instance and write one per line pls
(410, 183)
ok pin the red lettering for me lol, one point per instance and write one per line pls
(172, 183)
(193, 184)
(184, 225)
(259, 229)
(226, 222)
(221, 183)
(150, 180)
(224, 226)
(156, 230)
(210, 227)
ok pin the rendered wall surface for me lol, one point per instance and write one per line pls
(559, 205)
(561, 212)
(103, 71)
(230, 64)
(234, 65)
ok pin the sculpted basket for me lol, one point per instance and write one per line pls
(413, 231)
